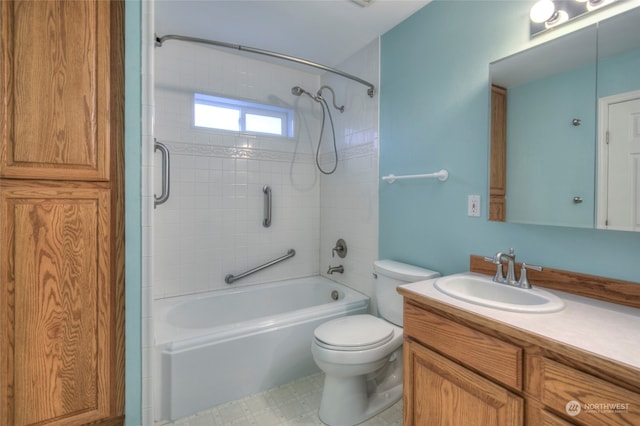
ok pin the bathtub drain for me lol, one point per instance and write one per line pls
(335, 295)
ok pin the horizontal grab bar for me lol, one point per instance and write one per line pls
(441, 175)
(230, 278)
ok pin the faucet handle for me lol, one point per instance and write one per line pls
(499, 276)
(524, 280)
(340, 249)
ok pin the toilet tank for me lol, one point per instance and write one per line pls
(389, 275)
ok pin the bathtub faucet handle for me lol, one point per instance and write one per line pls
(340, 249)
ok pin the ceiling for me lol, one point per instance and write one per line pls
(323, 31)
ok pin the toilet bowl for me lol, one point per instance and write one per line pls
(361, 355)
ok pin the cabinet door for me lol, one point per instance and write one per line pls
(441, 392)
(498, 167)
(54, 306)
(55, 87)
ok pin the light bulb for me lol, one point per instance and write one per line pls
(542, 11)
(558, 18)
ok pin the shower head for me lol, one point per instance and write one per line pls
(297, 91)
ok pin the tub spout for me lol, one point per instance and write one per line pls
(333, 269)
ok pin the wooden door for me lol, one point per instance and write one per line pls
(441, 392)
(61, 212)
(55, 86)
(55, 270)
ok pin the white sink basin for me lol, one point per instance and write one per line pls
(483, 291)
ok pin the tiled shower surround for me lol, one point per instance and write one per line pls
(212, 223)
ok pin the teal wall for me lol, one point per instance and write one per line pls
(133, 224)
(434, 113)
(540, 186)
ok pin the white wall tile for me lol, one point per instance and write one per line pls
(212, 224)
(349, 197)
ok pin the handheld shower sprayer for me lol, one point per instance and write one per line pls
(298, 91)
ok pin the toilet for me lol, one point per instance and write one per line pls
(361, 355)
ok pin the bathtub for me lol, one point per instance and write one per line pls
(223, 345)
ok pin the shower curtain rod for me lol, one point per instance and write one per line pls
(159, 40)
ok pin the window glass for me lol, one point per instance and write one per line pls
(217, 117)
(215, 112)
(263, 124)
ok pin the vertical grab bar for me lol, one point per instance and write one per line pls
(267, 206)
(166, 164)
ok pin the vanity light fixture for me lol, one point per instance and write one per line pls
(363, 3)
(544, 11)
(546, 14)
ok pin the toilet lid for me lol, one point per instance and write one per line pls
(355, 332)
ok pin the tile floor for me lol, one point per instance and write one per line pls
(292, 404)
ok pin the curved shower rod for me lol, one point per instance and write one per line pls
(159, 40)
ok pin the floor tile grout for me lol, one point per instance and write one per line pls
(293, 404)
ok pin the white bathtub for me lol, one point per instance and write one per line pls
(223, 345)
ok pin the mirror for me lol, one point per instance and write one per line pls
(618, 123)
(544, 125)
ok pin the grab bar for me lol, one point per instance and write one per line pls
(267, 206)
(166, 164)
(230, 278)
(441, 175)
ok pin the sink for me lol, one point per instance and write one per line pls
(481, 290)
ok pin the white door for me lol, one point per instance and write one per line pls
(620, 175)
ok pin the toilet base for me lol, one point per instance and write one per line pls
(348, 401)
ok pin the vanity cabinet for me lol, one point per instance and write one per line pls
(463, 369)
(61, 212)
(441, 358)
(463, 397)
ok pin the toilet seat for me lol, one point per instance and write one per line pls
(354, 333)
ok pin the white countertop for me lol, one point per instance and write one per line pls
(606, 329)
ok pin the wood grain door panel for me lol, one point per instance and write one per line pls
(55, 298)
(55, 87)
(443, 392)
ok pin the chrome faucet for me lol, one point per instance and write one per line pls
(511, 275)
(333, 269)
(511, 262)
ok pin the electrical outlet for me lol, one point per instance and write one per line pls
(473, 205)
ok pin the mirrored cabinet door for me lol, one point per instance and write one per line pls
(557, 167)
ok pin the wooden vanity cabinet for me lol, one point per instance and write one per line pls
(441, 383)
(462, 369)
(61, 212)
(439, 391)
